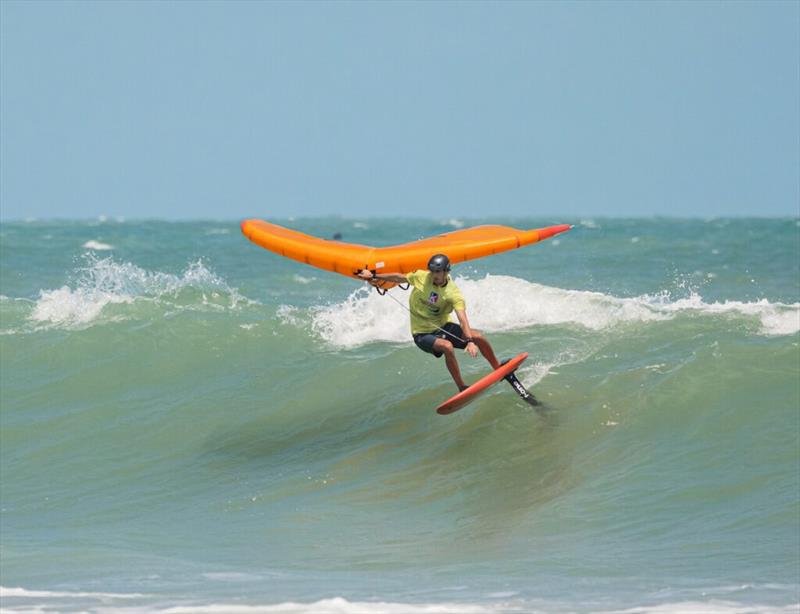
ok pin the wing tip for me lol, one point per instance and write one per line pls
(246, 226)
(551, 231)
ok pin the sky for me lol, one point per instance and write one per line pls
(207, 110)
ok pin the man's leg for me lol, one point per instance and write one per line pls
(485, 348)
(446, 348)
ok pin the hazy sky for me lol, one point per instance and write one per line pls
(225, 110)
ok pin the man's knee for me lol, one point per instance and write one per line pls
(442, 345)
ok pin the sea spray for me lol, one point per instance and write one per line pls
(104, 281)
(500, 303)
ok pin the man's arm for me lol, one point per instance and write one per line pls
(461, 314)
(394, 278)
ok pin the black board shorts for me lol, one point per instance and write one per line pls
(425, 341)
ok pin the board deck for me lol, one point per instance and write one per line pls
(473, 392)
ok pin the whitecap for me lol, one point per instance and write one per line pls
(775, 318)
(97, 245)
(362, 318)
(105, 282)
(67, 307)
(712, 606)
(335, 605)
(21, 593)
(501, 303)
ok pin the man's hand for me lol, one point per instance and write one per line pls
(472, 349)
(392, 278)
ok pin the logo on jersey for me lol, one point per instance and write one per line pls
(433, 298)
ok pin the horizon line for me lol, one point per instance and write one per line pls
(121, 219)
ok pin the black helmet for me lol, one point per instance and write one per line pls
(439, 262)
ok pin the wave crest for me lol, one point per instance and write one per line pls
(499, 303)
(105, 282)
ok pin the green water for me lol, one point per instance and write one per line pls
(189, 419)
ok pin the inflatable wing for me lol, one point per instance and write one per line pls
(350, 258)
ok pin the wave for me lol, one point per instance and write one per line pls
(499, 303)
(104, 282)
(21, 593)
(776, 319)
(340, 605)
(335, 605)
(713, 606)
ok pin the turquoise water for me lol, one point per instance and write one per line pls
(189, 421)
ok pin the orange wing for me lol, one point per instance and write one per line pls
(350, 258)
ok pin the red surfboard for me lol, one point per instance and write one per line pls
(467, 396)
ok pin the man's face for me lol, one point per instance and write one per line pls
(439, 277)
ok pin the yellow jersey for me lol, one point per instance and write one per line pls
(431, 305)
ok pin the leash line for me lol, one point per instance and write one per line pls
(409, 311)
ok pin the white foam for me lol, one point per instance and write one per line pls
(65, 307)
(97, 245)
(290, 315)
(501, 303)
(335, 605)
(21, 593)
(712, 606)
(532, 374)
(106, 282)
(363, 317)
(114, 603)
(775, 318)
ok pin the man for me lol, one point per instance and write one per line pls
(432, 300)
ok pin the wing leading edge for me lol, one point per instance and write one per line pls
(349, 258)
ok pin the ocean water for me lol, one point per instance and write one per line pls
(189, 423)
